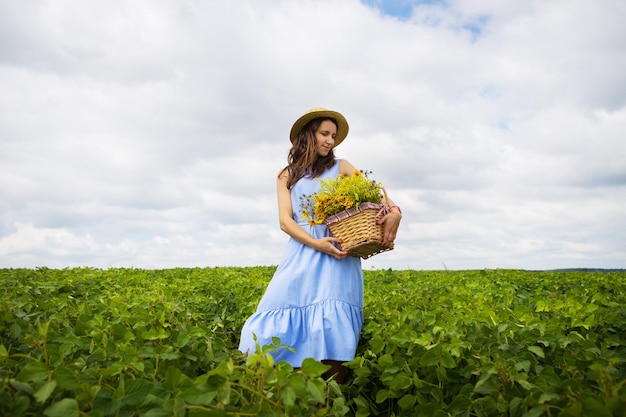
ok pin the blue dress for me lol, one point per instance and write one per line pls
(314, 302)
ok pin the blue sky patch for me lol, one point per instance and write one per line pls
(401, 9)
(476, 26)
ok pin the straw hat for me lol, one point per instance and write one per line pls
(316, 112)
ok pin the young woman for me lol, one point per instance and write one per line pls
(314, 302)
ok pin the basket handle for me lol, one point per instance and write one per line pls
(386, 198)
(384, 208)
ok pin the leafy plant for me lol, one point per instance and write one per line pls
(130, 342)
(338, 194)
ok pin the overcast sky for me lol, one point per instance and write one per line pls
(148, 133)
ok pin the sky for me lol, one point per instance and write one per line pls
(149, 133)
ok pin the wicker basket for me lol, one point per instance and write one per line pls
(357, 228)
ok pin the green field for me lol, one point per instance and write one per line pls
(132, 342)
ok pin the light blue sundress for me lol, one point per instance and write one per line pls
(314, 302)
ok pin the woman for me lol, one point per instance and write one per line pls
(314, 302)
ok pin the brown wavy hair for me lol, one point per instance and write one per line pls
(303, 158)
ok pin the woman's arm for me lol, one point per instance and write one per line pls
(390, 222)
(289, 225)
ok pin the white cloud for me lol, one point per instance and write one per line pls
(149, 134)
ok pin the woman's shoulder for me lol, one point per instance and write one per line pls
(345, 167)
(283, 172)
(283, 176)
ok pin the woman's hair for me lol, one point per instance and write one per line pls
(303, 158)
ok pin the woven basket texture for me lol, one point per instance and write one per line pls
(360, 234)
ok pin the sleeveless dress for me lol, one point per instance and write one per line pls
(314, 302)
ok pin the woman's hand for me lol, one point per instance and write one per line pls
(326, 245)
(390, 222)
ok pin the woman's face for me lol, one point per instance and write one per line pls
(325, 137)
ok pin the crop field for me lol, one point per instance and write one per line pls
(133, 342)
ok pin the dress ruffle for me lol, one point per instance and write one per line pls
(328, 329)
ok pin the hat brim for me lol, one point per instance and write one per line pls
(342, 123)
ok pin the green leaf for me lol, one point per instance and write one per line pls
(21, 386)
(377, 344)
(535, 411)
(616, 406)
(516, 407)
(313, 368)
(44, 392)
(525, 384)
(34, 371)
(487, 384)
(67, 407)
(170, 356)
(316, 390)
(523, 366)
(298, 383)
(153, 334)
(429, 358)
(104, 402)
(407, 402)
(537, 351)
(153, 401)
(594, 408)
(136, 390)
(362, 372)
(216, 381)
(179, 409)
(158, 412)
(447, 361)
(66, 378)
(382, 395)
(460, 405)
(199, 395)
(115, 369)
(174, 378)
(401, 382)
(288, 396)
(361, 403)
(546, 397)
(42, 329)
(223, 394)
(575, 410)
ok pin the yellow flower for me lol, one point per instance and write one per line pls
(338, 194)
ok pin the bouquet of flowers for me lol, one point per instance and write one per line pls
(338, 194)
(349, 205)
